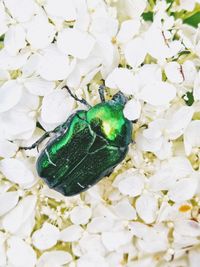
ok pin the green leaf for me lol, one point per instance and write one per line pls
(193, 20)
(148, 16)
(188, 98)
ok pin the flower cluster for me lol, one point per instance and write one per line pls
(147, 212)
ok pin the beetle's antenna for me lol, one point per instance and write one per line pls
(101, 92)
(82, 101)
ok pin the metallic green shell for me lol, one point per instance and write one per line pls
(86, 148)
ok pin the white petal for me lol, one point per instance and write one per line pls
(171, 171)
(20, 253)
(10, 94)
(104, 26)
(132, 184)
(100, 224)
(3, 19)
(125, 210)
(179, 121)
(16, 171)
(132, 110)
(22, 10)
(21, 213)
(184, 189)
(158, 94)
(149, 73)
(113, 240)
(187, 228)
(55, 258)
(132, 8)
(80, 214)
(46, 237)
(173, 72)
(69, 41)
(92, 243)
(71, 233)
(8, 62)
(18, 124)
(129, 28)
(38, 86)
(54, 65)
(187, 5)
(196, 90)
(9, 200)
(121, 79)
(7, 149)
(3, 258)
(135, 52)
(61, 9)
(56, 107)
(191, 136)
(194, 258)
(14, 39)
(91, 260)
(146, 207)
(190, 72)
(40, 32)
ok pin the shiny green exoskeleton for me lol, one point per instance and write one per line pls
(86, 148)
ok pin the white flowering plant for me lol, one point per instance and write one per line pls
(147, 212)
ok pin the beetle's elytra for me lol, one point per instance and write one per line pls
(85, 148)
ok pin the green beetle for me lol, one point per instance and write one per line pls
(85, 148)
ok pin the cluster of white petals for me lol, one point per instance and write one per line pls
(146, 213)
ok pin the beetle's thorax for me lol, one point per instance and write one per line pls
(107, 119)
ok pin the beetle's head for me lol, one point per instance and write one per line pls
(120, 98)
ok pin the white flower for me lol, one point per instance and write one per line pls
(25, 255)
(71, 233)
(173, 72)
(39, 86)
(124, 210)
(121, 79)
(189, 6)
(158, 93)
(40, 32)
(130, 183)
(56, 106)
(21, 217)
(113, 240)
(69, 41)
(132, 110)
(90, 260)
(15, 39)
(17, 172)
(54, 65)
(159, 46)
(128, 29)
(100, 224)
(21, 10)
(147, 206)
(61, 9)
(55, 258)
(21, 123)
(10, 200)
(135, 52)
(150, 239)
(7, 149)
(80, 214)
(46, 237)
(10, 94)
(132, 9)
(3, 19)
(191, 136)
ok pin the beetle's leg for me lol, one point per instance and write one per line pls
(37, 143)
(83, 101)
(101, 93)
